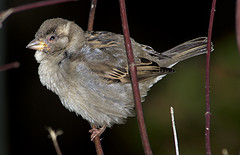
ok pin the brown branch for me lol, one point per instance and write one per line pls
(96, 140)
(238, 24)
(9, 66)
(91, 15)
(133, 73)
(207, 84)
(97, 143)
(6, 13)
(38, 4)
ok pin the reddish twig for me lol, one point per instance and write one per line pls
(9, 66)
(238, 24)
(6, 13)
(97, 143)
(133, 73)
(96, 140)
(38, 4)
(91, 15)
(207, 84)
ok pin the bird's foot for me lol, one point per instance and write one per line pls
(97, 132)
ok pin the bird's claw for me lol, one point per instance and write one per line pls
(96, 132)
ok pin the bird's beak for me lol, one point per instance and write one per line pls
(37, 45)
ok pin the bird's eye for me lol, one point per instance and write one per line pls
(51, 38)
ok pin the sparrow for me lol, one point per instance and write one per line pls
(89, 70)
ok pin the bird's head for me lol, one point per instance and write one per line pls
(56, 35)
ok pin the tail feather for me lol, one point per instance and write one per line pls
(184, 51)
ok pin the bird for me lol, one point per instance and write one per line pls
(89, 70)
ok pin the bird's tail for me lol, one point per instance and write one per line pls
(185, 50)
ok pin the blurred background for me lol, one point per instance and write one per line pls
(27, 108)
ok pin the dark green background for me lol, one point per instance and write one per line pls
(30, 107)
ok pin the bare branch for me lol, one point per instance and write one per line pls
(91, 15)
(133, 73)
(97, 142)
(96, 139)
(53, 135)
(207, 84)
(6, 13)
(238, 24)
(9, 66)
(174, 131)
(225, 152)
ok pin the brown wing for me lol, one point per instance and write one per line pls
(146, 69)
(112, 71)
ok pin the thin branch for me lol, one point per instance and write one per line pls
(96, 140)
(38, 4)
(225, 152)
(97, 143)
(207, 84)
(133, 73)
(6, 13)
(92, 15)
(9, 66)
(174, 131)
(53, 135)
(238, 24)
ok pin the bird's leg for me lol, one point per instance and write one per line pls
(97, 131)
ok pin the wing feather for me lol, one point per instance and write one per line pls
(108, 44)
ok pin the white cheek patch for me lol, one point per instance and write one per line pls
(64, 30)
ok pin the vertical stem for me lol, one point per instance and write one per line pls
(97, 142)
(133, 73)
(53, 135)
(238, 24)
(174, 131)
(91, 15)
(207, 84)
